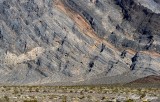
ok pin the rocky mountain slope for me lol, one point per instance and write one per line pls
(148, 79)
(48, 41)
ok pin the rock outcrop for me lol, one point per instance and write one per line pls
(50, 41)
(147, 80)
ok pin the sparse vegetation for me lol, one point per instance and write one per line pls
(129, 100)
(6, 98)
(77, 94)
(30, 101)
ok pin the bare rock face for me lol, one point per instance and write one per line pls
(51, 41)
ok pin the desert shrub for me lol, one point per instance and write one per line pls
(15, 91)
(142, 95)
(64, 98)
(30, 101)
(129, 100)
(6, 98)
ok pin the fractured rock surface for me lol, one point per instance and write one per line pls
(48, 41)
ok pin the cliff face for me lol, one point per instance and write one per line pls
(48, 41)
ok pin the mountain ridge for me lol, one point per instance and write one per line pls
(58, 41)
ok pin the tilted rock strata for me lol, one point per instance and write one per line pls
(76, 40)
